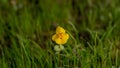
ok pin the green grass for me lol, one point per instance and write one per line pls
(26, 31)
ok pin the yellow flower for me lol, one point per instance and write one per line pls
(60, 37)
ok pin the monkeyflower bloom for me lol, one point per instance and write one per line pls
(61, 36)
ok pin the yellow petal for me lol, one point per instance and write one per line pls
(58, 41)
(54, 37)
(66, 36)
(60, 30)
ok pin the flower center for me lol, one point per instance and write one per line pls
(60, 35)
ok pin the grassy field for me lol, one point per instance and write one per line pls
(27, 26)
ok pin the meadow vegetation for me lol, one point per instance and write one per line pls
(27, 26)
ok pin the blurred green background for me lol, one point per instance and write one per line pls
(26, 27)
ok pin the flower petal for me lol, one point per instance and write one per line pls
(60, 41)
(66, 36)
(60, 30)
(54, 37)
